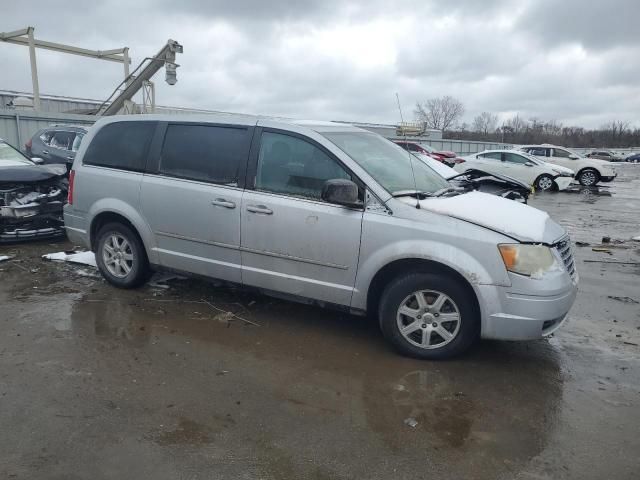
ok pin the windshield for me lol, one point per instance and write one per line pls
(9, 156)
(387, 163)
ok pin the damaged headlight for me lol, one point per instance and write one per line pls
(530, 260)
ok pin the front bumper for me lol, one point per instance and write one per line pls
(563, 182)
(75, 227)
(510, 314)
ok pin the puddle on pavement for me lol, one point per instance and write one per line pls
(459, 406)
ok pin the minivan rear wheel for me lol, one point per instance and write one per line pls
(428, 316)
(121, 257)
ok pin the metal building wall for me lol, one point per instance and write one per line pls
(17, 126)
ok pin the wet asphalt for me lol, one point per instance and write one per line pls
(161, 383)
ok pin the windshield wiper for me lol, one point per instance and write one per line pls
(410, 193)
(445, 191)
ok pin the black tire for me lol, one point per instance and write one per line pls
(544, 183)
(139, 269)
(403, 287)
(586, 175)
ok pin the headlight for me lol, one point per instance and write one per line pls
(530, 260)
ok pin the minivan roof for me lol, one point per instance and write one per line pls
(316, 125)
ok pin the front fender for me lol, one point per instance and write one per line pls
(456, 259)
(114, 205)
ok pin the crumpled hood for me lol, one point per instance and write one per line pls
(31, 173)
(519, 221)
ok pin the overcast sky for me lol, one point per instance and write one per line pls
(575, 61)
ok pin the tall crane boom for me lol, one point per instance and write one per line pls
(148, 68)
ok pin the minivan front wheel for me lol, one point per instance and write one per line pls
(120, 256)
(428, 316)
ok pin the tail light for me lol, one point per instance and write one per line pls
(28, 145)
(458, 160)
(72, 177)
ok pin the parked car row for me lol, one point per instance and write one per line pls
(321, 212)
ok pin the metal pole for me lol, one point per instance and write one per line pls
(125, 57)
(34, 70)
(18, 131)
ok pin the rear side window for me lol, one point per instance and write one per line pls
(121, 145)
(206, 153)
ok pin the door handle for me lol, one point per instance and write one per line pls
(46, 152)
(221, 202)
(264, 210)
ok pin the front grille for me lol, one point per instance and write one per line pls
(566, 253)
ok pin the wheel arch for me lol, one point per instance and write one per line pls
(132, 219)
(402, 266)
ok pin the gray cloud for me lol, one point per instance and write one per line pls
(570, 61)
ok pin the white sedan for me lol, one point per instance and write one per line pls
(521, 166)
(589, 171)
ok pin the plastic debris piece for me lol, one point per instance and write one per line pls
(84, 258)
(4, 258)
(412, 422)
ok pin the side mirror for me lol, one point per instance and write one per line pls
(529, 164)
(573, 157)
(37, 160)
(341, 192)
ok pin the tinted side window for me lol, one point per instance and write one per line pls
(515, 158)
(121, 145)
(294, 166)
(492, 156)
(560, 153)
(205, 153)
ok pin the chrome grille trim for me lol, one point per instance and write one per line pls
(566, 254)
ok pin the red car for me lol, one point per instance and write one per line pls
(446, 157)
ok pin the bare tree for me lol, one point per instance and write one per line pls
(515, 124)
(485, 123)
(439, 113)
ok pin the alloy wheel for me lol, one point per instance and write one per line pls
(428, 319)
(117, 255)
(545, 183)
(588, 178)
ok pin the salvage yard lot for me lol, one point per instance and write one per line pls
(205, 381)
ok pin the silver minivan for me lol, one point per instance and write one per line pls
(320, 212)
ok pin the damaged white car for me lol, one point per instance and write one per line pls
(31, 197)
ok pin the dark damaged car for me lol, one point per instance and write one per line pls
(31, 197)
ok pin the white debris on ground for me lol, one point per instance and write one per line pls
(637, 239)
(84, 258)
(4, 258)
(158, 280)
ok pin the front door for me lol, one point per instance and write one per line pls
(292, 241)
(192, 201)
